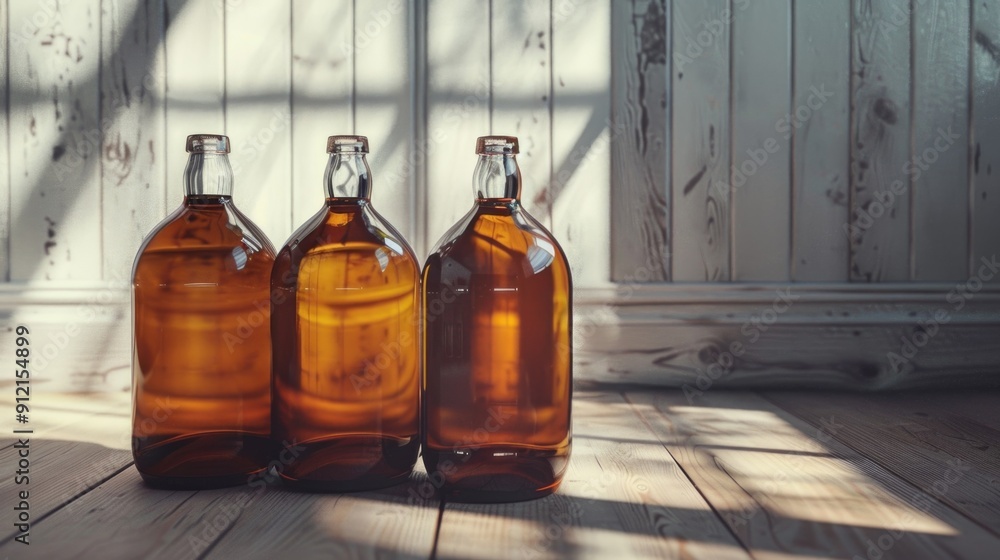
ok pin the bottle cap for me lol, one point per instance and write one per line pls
(345, 144)
(496, 145)
(207, 144)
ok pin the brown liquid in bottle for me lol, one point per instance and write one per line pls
(345, 323)
(201, 365)
(498, 370)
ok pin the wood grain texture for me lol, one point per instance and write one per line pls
(322, 96)
(458, 107)
(581, 138)
(521, 78)
(623, 496)
(900, 435)
(880, 141)
(789, 336)
(701, 133)
(5, 176)
(56, 138)
(196, 84)
(383, 105)
(786, 489)
(940, 167)
(985, 192)
(640, 155)
(820, 140)
(761, 158)
(132, 104)
(258, 111)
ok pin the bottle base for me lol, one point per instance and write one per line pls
(349, 464)
(497, 474)
(201, 461)
(197, 483)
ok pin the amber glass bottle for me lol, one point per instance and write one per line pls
(201, 336)
(498, 371)
(345, 322)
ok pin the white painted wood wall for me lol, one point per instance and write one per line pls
(722, 143)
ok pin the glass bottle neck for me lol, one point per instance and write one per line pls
(497, 178)
(348, 176)
(208, 175)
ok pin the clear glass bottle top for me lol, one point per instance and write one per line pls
(497, 176)
(208, 171)
(347, 173)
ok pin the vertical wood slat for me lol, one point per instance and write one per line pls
(258, 111)
(880, 141)
(383, 110)
(985, 190)
(820, 134)
(700, 194)
(458, 104)
(322, 96)
(940, 161)
(521, 89)
(5, 176)
(581, 141)
(640, 114)
(761, 159)
(132, 93)
(195, 78)
(54, 122)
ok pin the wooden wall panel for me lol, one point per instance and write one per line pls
(383, 111)
(820, 140)
(196, 84)
(940, 164)
(458, 108)
(56, 140)
(521, 78)
(880, 136)
(581, 140)
(761, 158)
(5, 193)
(700, 144)
(322, 96)
(132, 162)
(258, 112)
(640, 155)
(985, 193)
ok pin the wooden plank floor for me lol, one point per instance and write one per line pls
(653, 475)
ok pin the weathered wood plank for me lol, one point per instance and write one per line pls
(820, 129)
(623, 496)
(798, 335)
(458, 107)
(522, 94)
(5, 193)
(640, 154)
(985, 192)
(258, 111)
(55, 129)
(132, 96)
(701, 141)
(940, 167)
(196, 84)
(383, 77)
(322, 96)
(786, 488)
(761, 170)
(581, 141)
(391, 523)
(880, 141)
(896, 432)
